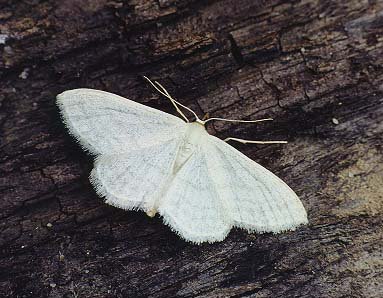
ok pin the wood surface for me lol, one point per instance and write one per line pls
(314, 66)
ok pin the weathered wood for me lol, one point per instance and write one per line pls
(304, 63)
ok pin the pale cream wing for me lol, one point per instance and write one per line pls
(135, 179)
(255, 198)
(105, 123)
(191, 205)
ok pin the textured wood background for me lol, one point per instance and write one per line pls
(304, 63)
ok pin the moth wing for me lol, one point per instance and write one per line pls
(105, 123)
(254, 197)
(191, 206)
(135, 179)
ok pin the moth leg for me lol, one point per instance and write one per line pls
(254, 142)
(238, 120)
(206, 116)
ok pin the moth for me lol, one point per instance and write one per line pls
(149, 160)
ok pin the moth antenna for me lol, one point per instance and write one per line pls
(167, 95)
(160, 91)
(175, 101)
(254, 142)
(242, 121)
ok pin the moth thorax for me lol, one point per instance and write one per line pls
(195, 132)
(193, 137)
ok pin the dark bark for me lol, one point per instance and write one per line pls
(304, 63)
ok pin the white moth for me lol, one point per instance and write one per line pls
(149, 160)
